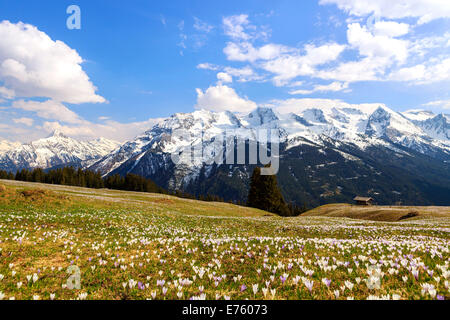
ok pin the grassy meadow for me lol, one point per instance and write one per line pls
(125, 245)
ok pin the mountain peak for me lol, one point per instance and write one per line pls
(55, 150)
(57, 133)
(6, 145)
(263, 115)
(441, 117)
(418, 114)
(314, 115)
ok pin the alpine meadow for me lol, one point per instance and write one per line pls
(235, 160)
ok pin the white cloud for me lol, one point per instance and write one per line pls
(7, 93)
(224, 77)
(385, 57)
(223, 98)
(238, 27)
(383, 50)
(390, 29)
(318, 55)
(181, 25)
(334, 87)
(239, 72)
(245, 51)
(422, 46)
(365, 69)
(444, 104)
(286, 63)
(288, 67)
(202, 26)
(26, 121)
(109, 129)
(433, 71)
(33, 65)
(207, 66)
(234, 26)
(378, 53)
(48, 110)
(414, 73)
(84, 129)
(15, 133)
(163, 20)
(439, 71)
(376, 45)
(244, 74)
(424, 10)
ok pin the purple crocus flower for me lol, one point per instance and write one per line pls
(160, 282)
(415, 273)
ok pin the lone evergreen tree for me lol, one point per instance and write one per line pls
(264, 194)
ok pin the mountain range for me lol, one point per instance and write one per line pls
(6, 145)
(327, 154)
(54, 151)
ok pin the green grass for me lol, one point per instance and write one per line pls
(379, 213)
(126, 243)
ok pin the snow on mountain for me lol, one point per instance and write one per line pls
(437, 127)
(315, 116)
(418, 115)
(362, 126)
(6, 146)
(160, 136)
(56, 150)
(260, 117)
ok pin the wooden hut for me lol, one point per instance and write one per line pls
(363, 201)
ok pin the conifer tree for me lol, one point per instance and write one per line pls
(254, 192)
(264, 194)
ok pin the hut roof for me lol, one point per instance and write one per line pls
(365, 199)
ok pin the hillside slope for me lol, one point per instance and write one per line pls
(378, 213)
(45, 195)
(105, 198)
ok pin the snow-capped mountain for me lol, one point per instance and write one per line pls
(375, 124)
(56, 150)
(349, 135)
(6, 146)
(158, 141)
(327, 153)
(435, 126)
(418, 114)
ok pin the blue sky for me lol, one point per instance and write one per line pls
(132, 62)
